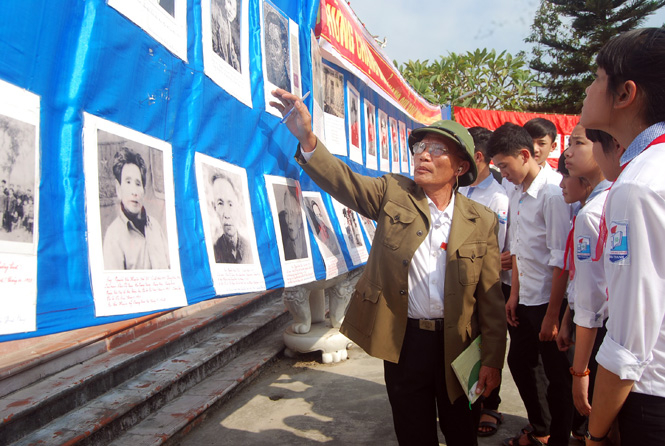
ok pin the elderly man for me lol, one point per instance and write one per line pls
(230, 247)
(431, 284)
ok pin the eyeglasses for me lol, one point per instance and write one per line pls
(434, 149)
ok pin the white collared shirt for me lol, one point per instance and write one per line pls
(634, 261)
(428, 266)
(539, 224)
(590, 296)
(490, 193)
(495, 196)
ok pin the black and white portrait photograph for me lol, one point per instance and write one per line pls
(131, 220)
(318, 216)
(291, 232)
(333, 108)
(334, 92)
(132, 206)
(276, 47)
(225, 35)
(228, 226)
(225, 27)
(227, 217)
(292, 226)
(19, 208)
(17, 180)
(324, 234)
(350, 225)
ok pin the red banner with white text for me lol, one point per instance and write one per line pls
(492, 119)
(339, 26)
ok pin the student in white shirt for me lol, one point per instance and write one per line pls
(543, 132)
(539, 224)
(590, 307)
(488, 192)
(575, 191)
(627, 100)
(586, 298)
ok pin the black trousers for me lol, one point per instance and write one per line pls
(642, 420)
(417, 392)
(524, 356)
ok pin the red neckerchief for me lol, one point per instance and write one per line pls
(602, 230)
(570, 252)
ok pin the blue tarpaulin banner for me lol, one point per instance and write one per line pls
(143, 170)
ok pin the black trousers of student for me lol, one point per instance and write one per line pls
(523, 359)
(417, 392)
(642, 420)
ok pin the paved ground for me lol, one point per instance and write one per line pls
(304, 402)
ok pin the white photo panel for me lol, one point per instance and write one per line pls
(165, 20)
(289, 219)
(225, 34)
(324, 234)
(19, 208)
(228, 226)
(130, 203)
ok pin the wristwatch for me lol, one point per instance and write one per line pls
(588, 436)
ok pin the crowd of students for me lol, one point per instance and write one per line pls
(582, 259)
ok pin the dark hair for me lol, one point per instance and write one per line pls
(540, 127)
(480, 137)
(127, 156)
(638, 55)
(605, 139)
(561, 168)
(509, 139)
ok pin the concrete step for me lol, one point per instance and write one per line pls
(92, 402)
(176, 419)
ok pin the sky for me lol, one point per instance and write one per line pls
(428, 29)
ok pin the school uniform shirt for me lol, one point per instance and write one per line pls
(589, 295)
(570, 288)
(634, 260)
(493, 195)
(539, 225)
(490, 193)
(553, 176)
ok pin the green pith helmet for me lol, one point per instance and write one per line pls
(460, 135)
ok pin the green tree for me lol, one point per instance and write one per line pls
(479, 79)
(567, 35)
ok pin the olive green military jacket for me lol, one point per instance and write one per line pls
(377, 314)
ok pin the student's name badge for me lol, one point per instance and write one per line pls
(618, 242)
(583, 248)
